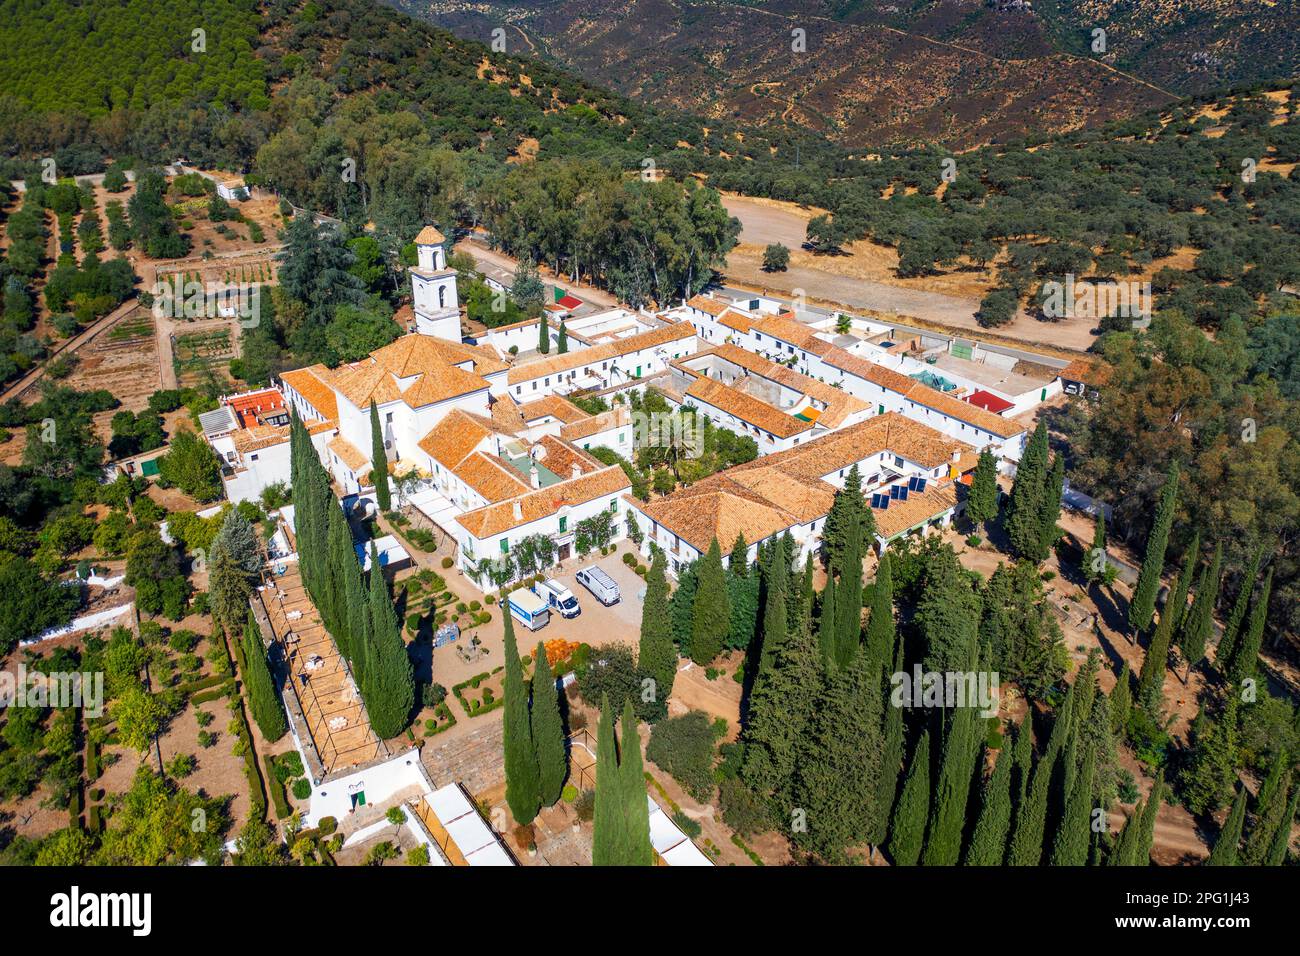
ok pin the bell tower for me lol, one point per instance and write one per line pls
(433, 287)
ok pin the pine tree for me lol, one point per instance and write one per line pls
(656, 655)
(1095, 561)
(1151, 680)
(982, 503)
(880, 625)
(547, 730)
(609, 839)
(781, 705)
(239, 540)
(1143, 605)
(1237, 617)
(379, 462)
(1277, 850)
(522, 774)
(1198, 623)
(1245, 658)
(544, 334)
(711, 616)
(838, 765)
(988, 843)
(1074, 832)
(263, 698)
(562, 341)
(907, 828)
(1268, 817)
(390, 686)
(636, 806)
(1225, 847)
(1024, 523)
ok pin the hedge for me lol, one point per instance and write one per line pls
(216, 693)
(278, 795)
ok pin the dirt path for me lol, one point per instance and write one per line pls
(590, 294)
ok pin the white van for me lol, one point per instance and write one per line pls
(559, 597)
(600, 584)
(529, 609)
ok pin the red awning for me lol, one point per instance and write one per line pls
(988, 401)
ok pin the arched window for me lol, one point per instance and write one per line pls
(442, 296)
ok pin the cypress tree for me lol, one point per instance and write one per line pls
(838, 764)
(391, 686)
(848, 594)
(1143, 605)
(609, 839)
(656, 655)
(1031, 816)
(548, 730)
(1245, 658)
(1053, 488)
(947, 614)
(562, 340)
(229, 589)
(1273, 780)
(1095, 561)
(775, 627)
(711, 616)
(359, 627)
(544, 334)
(262, 696)
(1023, 763)
(1126, 842)
(1151, 680)
(522, 774)
(780, 707)
(1147, 834)
(826, 621)
(891, 760)
(738, 558)
(1074, 832)
(880, 625)
(1232, 627)
(1268, 817)
(636, 806)
(342, 562)
(949, 813)
(1024, 523)
(988, 843)
(1277, 850)
(1198, 623)
(982, 503)
(907, 829)
(379, 462)
(1212, 767)
(1225, 847)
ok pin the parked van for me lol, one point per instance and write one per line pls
(528, 609)
(600, 584)
(558, 597)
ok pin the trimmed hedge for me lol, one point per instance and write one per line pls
(278, 795)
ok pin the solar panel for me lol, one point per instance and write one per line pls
(911, 483)
(902, 494)
(893, 491)
(884, 502)
(920, 486)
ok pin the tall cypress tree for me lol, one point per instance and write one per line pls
(826, 621)
(547, 730)
(1151, 680)
(848, 604)
(988, 843)
(952, 795)
(562, 339)
(776, 626)
(1211, 769)
(544, 334)
(1053, 488)
(1031, 816)
(1237, 617)
(907, 829)
(1143, 605)
(838, 764)
(1024, 524)
(379, 462)
(388, 677)
(880, 625)
(1095, 562)
(1074, 832)
(262, 696)
(609, 839)
(1245, 658)
(656, 655)
(1147, 834)
(1225, 852)
(982, 503)
(891, 760)
(1268, 817)
(711, 616)
(1024, 763)
(342, 560)
(522, 774)
(1121, 700)
(636, 806)
(1198, 623)
(738, 557)
(1277, 850)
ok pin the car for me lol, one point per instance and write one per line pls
(600, 584)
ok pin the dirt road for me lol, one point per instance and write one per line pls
(482, 254)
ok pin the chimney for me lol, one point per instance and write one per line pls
(576, 472)
(533, 479)
(518, 510)
(956, 455)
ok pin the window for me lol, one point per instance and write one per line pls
(613, 506)
(389, 418)
(442, 296)
(252, 458)
(564, 524)
(505, 545)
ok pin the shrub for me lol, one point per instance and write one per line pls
(447, 563)
(301, 788)
(569, 793)
(327, 826)
(585, 805)
(685, 747)
(973, 541)
(629, 559)
(742, 810)
(690, 827)
(491, 599)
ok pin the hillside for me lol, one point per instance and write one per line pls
(957, 73)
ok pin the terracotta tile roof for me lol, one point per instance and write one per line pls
(453, 439)
(713, 512)
(315, 428)
(491, 477)
(554, 405)
(252, 406)
(900, 516)
(497, 518)
(747, 408)
(839, 403)
(791, 330)
(707, 304)
(616, 417)
(736, 320)
(257, 437)
(436, 366)
(348, 453)
(429, 236)
(675, 332)
(561, 457)
(311, 384)
(364, 383)
(416, 354)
